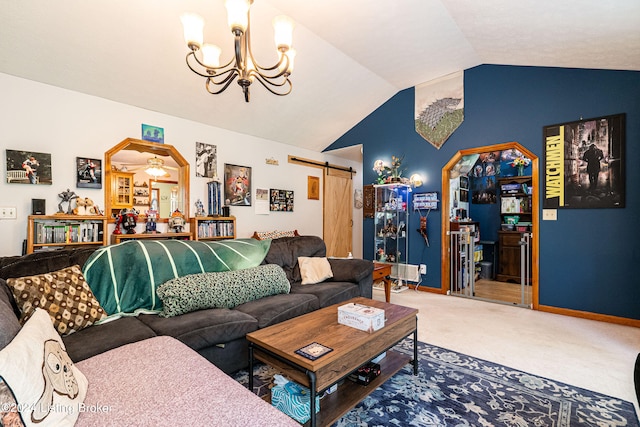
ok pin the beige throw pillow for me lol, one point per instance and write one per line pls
(314, 269)
(47, 387)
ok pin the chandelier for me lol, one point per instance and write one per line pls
(204, 59)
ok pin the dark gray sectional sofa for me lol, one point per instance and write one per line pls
(217, 334)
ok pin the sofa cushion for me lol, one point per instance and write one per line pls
(314, 269)
(285, 252)
(100, 338)
(225, 289)
(43, 262)
(9, 325)
(45, 382)
(64, 294)
(203, 328)
(328, 293)
(161, 382)
(278, 308)
(124, 277)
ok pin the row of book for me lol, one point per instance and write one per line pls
(214, 197)
(68, 233)
(215, 229)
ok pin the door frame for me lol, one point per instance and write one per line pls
(535, 244)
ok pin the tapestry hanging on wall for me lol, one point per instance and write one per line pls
(439, 108)
(584, 163)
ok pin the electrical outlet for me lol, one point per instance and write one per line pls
(8, 212)
(423, 269)
(549, 214)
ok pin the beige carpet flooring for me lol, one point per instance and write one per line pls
(593, 355)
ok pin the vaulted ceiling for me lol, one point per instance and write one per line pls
(353, 55)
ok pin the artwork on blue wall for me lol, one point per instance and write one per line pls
(584, 163)
(439, 108)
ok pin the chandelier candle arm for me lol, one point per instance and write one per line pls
(243, 65)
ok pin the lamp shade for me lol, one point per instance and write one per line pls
(193, 26)
(211, 55)
(283, 32)
(237, 14)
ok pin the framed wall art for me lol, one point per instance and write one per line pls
(206, 160)
(28, 167)
(152, 134)
(237, 185)
(584, 164)
(313, 188)
(281, 200)
(88, 173)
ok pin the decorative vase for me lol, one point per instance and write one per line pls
(520, 170)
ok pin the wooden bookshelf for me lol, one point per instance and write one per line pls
(213, 227)
(50, 232)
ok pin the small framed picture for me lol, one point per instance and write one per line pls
(89, 173)
(152, 134)
(281, 200)
(313, 188)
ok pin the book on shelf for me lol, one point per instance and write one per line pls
(71, 232)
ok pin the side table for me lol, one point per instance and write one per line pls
(382, 272)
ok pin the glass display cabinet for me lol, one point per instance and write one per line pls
(391, 241)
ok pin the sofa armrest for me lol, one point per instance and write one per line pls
(354, 270)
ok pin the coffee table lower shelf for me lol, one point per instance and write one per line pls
(333, 406)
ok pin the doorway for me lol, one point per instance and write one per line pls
(488, 289)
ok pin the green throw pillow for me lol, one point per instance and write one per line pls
(124, 277)
(221, 290)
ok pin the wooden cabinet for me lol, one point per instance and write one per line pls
(48, 232)
(509, 256)
(121, 191)
(213, 227)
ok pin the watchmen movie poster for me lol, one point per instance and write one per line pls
(584, 164)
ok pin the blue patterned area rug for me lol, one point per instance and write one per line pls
(453, 389)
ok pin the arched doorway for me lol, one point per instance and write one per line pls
(447, 172)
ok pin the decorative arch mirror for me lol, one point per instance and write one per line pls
(132, 170)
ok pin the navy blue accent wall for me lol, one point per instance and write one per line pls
(589, 258)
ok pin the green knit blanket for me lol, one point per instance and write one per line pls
(124, 277)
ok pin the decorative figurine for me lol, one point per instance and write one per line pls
(152, 216)
(128, 218)
(176, 222)
(199, 208)
(66, 197)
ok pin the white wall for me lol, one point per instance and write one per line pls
(47, 119)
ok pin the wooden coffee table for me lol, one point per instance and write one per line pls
(352, 348)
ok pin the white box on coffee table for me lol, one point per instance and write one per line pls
(361, 317)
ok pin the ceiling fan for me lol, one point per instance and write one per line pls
(155, 167)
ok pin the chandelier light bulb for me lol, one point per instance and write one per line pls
(291, 54)
(283, 32)
(211, 55)
(237, 14)
(193, 26)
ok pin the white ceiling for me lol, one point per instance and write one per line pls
(353, 55)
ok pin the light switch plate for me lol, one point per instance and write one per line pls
(549, 214)
(7, 212)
